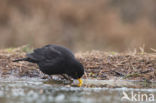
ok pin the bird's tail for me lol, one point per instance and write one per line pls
(22, 59)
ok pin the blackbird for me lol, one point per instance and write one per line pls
(55, 59)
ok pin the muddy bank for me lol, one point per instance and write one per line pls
(98, 65)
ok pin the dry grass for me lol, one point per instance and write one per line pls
(110, 65)
(98, 65)
(7, 67)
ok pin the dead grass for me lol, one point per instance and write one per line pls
(7, 67)
(110, 65)
(98, 65)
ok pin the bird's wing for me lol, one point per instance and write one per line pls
(51, 62)
(64, 50)
(44, 54)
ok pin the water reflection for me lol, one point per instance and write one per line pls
(37, 91)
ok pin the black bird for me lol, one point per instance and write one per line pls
(54, 59)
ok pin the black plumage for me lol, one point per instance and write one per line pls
(54, 59)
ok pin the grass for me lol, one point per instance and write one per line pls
(132, 75)
(130, 66)
(97, 64)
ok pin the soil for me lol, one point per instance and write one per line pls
(98, 65)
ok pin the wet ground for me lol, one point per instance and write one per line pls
(33, 90)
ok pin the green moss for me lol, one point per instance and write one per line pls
(113, 53)
(10, 49)
(27, 49)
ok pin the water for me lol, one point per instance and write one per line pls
(33, 90)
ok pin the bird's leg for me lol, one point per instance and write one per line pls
(43, 76)
(66, 77)
(51, 77)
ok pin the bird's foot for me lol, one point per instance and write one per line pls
(67, 77)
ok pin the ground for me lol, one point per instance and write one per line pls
(100, 65)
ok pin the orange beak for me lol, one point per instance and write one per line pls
(80, 82)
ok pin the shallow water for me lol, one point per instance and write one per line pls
(33, 90)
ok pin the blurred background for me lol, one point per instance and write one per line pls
(118, 25)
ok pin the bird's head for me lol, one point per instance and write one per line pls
(76, 70)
